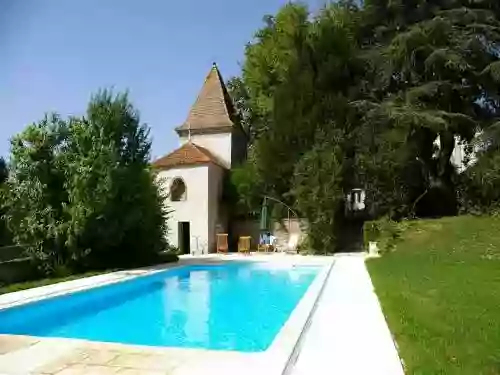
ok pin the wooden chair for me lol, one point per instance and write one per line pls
(222, 246)
(244, 244)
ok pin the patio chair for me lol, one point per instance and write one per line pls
(244, 244)
(222, 246)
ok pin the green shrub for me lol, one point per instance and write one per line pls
(318, 194)
(304, 246)
(167, 257)
(173, 250)
(371, 231)
(385, 232)
(157, 259)
(81, 194)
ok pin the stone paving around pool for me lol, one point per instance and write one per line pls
(345, 333)
(26, 355)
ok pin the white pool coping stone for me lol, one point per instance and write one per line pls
(348, 334)
(272, 361)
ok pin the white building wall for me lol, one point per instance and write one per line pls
(218, 144)
(195, 209)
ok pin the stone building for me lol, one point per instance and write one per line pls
(211, 142)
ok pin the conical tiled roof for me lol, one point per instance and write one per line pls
(187, 155)
(213, 109)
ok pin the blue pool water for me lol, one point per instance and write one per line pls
(240, 306)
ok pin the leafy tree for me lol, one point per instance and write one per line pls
(479, 188)
(117, 213)
(81, 195)
(403, 81)
(431, 74)
(35, 193)
(4, 172)
(295, 77)
(318, 192)
(244, 112)
(247, 187)
(5, 235)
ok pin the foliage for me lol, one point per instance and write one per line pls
(5, 235)
(403, 81)
(439, 294)
(245, 187)
(387, 233)
(432, 81)
(371, 231)
(293, 75)
(81, 195)
(481, 185)
(10, 288)
(318, 193)
(117, 208)
(35, 193)
(4, 172)
(167, 257)
(160, 258)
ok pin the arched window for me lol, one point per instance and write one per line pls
(178, 191)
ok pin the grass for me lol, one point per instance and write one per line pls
(440, 292)
(9, 288)
(41, 282)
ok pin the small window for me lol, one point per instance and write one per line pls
(178, 191)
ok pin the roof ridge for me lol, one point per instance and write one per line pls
(224, 90)
(213, 108)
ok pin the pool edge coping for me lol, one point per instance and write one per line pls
(286, 344)
(298, 343)
(66, 287)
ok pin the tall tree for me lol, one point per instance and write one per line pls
(4, 172)
(35, 193)
(5, 235)
(117, 213)
(81, 195)
(295, 77)
(431, 82)
(403, 81)
(317, 189)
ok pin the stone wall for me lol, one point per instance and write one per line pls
(281, 230)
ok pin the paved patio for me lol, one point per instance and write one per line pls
(346, 333)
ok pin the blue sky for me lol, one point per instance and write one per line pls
(56, 53)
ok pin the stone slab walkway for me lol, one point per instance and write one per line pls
(348, 332)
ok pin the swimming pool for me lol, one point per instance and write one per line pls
(236, 306)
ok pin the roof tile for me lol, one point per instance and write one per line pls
(213, 108)
(187, 155)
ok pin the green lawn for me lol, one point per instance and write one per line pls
(440, 292)
(36, 283)
(161, 259)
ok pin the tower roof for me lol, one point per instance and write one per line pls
(213, 109)
(188, 154)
